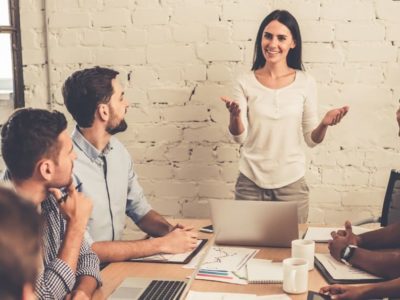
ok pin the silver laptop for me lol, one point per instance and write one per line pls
(149, 288)
(254, 223)
(160, 289)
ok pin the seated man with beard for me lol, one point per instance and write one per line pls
(96, 101)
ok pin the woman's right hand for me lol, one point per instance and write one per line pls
(232, 106)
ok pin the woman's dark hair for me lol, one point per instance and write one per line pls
(294, 55)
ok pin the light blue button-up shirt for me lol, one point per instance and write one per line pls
(114, 190)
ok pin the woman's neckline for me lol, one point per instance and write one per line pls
(280, 88)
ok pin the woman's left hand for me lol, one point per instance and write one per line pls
(334, 116)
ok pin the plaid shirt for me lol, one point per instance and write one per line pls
(57, 279)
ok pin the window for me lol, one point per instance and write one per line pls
(11, 80)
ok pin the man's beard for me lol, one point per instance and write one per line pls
(122, 126)
(64, 185)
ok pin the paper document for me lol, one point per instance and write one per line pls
(323, 234)
(182, 258)
(233, 296)
(225, 264)
(340, 271)
(227, 258)
(264, 271)
(221, 276)
(274, 297)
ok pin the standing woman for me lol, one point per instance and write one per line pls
(274, 105)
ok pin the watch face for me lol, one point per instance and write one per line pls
(345, 252)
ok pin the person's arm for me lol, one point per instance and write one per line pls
(238, 119)
(154, 224)
(56, 281)
(59, 275)
(386, 237)
(76, 209)
(177, 241)
(313, 132)
(331, 118)
(367, 291)
(387, 289)
(84, 288)
(88, 271)
(236, 126)
(384, 264)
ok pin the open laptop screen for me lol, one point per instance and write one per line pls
(254, 223)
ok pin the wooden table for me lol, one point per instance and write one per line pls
(115, 273)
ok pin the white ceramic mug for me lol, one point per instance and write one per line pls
(295, 275)
(304, 249)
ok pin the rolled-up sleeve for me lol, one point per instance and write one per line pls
(137, 205)
(56, 281)
(310, 111)
(239, 96)
(88, 263)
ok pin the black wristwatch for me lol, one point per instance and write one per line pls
(347, 253)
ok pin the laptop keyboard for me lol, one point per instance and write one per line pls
(163, 290)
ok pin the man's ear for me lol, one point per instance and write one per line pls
(103, 112)
(45, 168)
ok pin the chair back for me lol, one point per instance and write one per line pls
(391, 203)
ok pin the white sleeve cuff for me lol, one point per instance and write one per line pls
(307, 138)
(239, 138)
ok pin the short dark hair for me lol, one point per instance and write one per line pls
(84, 90)
(29, 135)
(294, 56)
(20, 240)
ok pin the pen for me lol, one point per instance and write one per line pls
(64, 194)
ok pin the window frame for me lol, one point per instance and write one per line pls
(16, 48)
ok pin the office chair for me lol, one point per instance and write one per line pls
(391, 203)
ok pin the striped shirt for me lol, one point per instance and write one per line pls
(57, 279)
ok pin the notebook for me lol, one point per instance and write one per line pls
(264, 271)
(337, 272)
(181, 258)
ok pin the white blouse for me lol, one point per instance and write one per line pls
(272, 154)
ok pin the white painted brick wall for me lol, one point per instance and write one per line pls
(316, 31)
(177, 57)
(189, 34)
(367, 31)
(70, 20)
